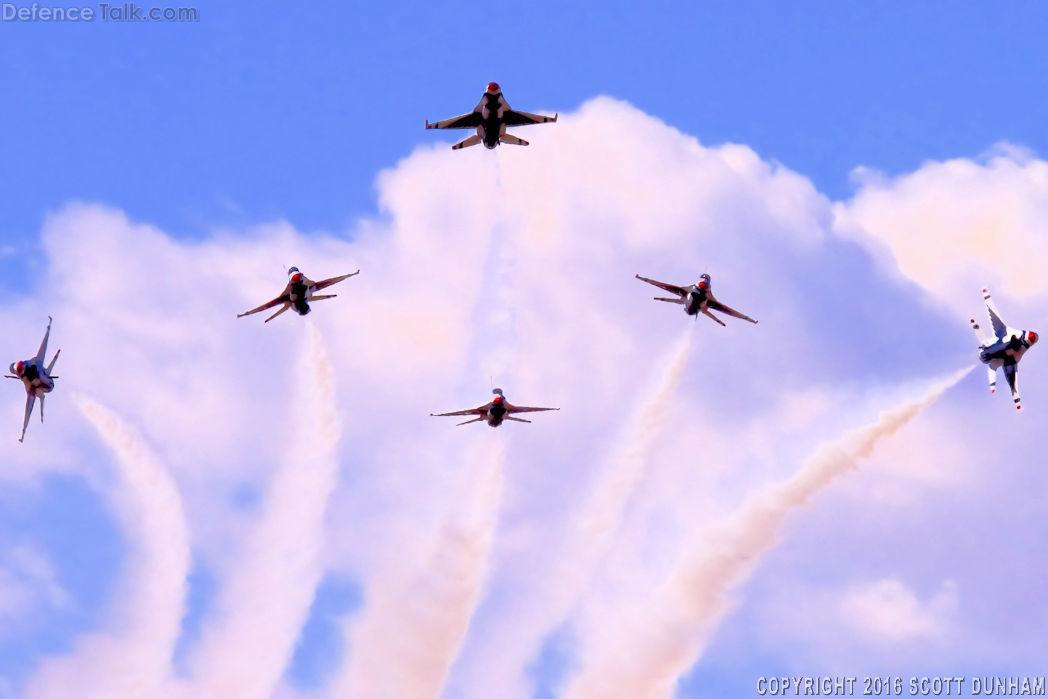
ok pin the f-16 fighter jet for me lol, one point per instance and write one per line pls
(495, 412)
(490, 118)
(696, 298)
(36, 377)
(300, 290)
(1004, 349)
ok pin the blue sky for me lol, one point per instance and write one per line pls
(256, 137)
(265, 111)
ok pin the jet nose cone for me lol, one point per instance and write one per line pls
(704, 286)
(493, 88)
(1032, 337)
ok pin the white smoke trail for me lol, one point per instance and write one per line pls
(601, 517)
(133, 658)
(411, 632)
(266, 600)
(646, 652)
(589, 538)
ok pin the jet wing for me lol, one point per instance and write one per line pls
(718, 306)
(30, 399)
(471, 411)
(514, 118)
(999, 328)
(283, 298)
(662, 285)
(39, 359)
(466, 121)
(325, 283)
(519, 409)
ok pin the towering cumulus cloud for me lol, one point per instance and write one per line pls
(413, 627)
(519, 263)
(267, 596)
(132, 658)
(642, 651)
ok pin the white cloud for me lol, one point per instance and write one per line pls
(889, 611)
(517, 264)
(27, 585)
(954, 226)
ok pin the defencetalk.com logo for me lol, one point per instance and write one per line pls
(103, 11)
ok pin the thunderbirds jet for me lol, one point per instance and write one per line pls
(495, 412)
(490, 118)
(696, 298)
(36, 378)
(1005, 349)
(298, 293)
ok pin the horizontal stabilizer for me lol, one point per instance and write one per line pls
(676, 300)
(983, 340)
(471, 141)
(512, 140)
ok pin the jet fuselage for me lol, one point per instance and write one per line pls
(491, 111)
(496, 412)
(34, 377)
(298, 292)
(1006, 350)
(695, 300)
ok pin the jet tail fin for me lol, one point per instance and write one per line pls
(471, 141)
(512, 140)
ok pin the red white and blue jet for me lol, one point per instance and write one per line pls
(300, 290)
(1003, 350)
(490, 118)
(493, 413)
(696, 298)
(36, 378)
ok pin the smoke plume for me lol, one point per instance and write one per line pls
(649, 649)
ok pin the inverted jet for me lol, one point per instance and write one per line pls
(490, 118)
(1003, 350)
(696, 298)
(36, 378)
(298, 293)
(493, 413)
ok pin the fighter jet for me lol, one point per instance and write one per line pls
(300, 290)
(490, 118)
(495, 412)
(696, 298)
(1005, 349)
(36, 377)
